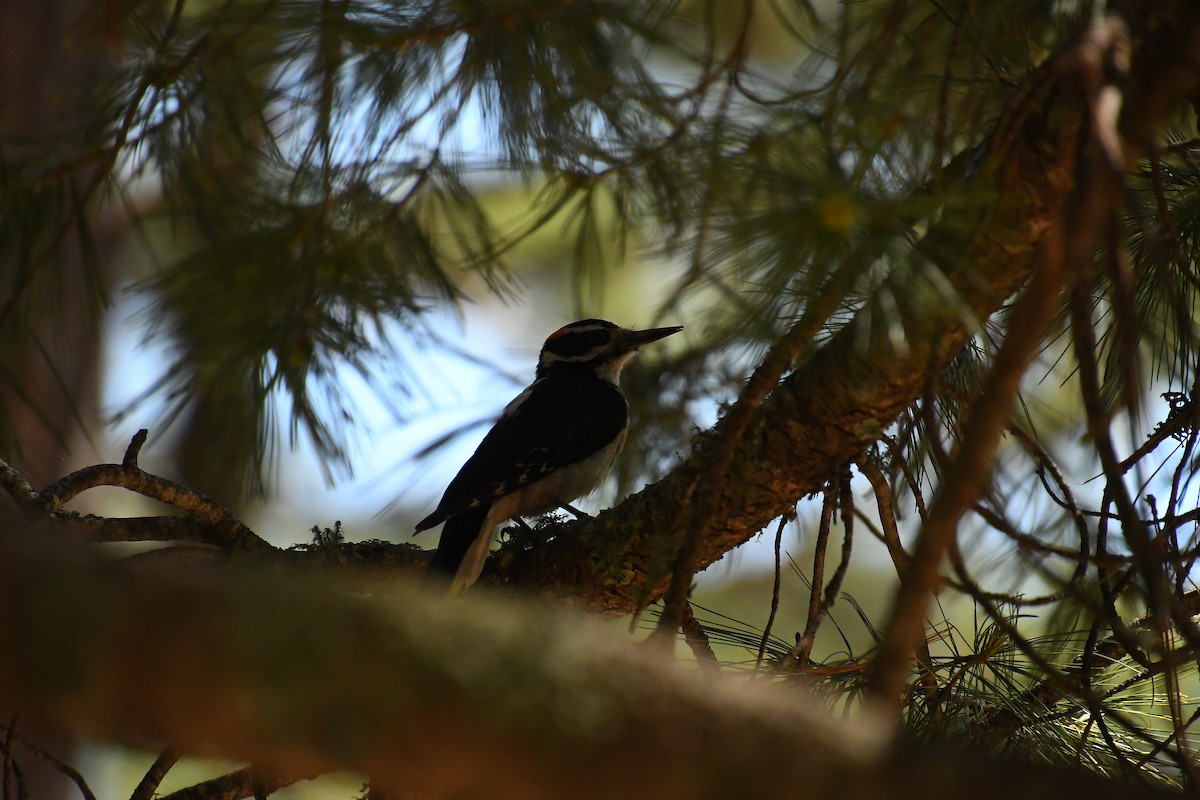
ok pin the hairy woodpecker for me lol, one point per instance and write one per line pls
(553, 443)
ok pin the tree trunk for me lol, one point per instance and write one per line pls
(50, 52)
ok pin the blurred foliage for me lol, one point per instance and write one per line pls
(327, 166)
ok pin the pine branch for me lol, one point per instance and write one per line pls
(1004, 722)
(830, 409)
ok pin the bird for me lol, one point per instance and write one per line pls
(553, 443)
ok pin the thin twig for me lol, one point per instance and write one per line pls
(819, 605)
(697, 640)
(135, 448)
(1113, 586)
(803, 646)
(885, 503)
(1046, 464)
(762, 645)
(1165, 743)
(914, 485)
(66, 769)
(149, 783)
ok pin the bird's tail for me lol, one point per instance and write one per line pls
(460, 532)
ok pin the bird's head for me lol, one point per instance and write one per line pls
(597, 345)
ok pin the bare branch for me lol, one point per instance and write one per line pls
(222, 527)
(148, 786)
(11, 736)
(15, 484)
(766, 636)
(820, 603)
(129, 462)
(886, 505)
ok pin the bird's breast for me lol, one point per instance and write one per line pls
(565, 484)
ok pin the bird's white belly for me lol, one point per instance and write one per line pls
(561, 486)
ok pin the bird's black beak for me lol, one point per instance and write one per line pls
(632, 340)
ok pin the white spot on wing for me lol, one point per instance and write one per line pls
(515, 404)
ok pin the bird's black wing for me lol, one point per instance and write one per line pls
(549, 426)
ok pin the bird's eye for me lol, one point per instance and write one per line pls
(597, 337)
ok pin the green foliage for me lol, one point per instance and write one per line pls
(988, 691)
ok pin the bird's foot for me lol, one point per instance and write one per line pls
(521, 534)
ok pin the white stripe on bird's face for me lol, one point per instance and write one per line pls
(595, 343)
